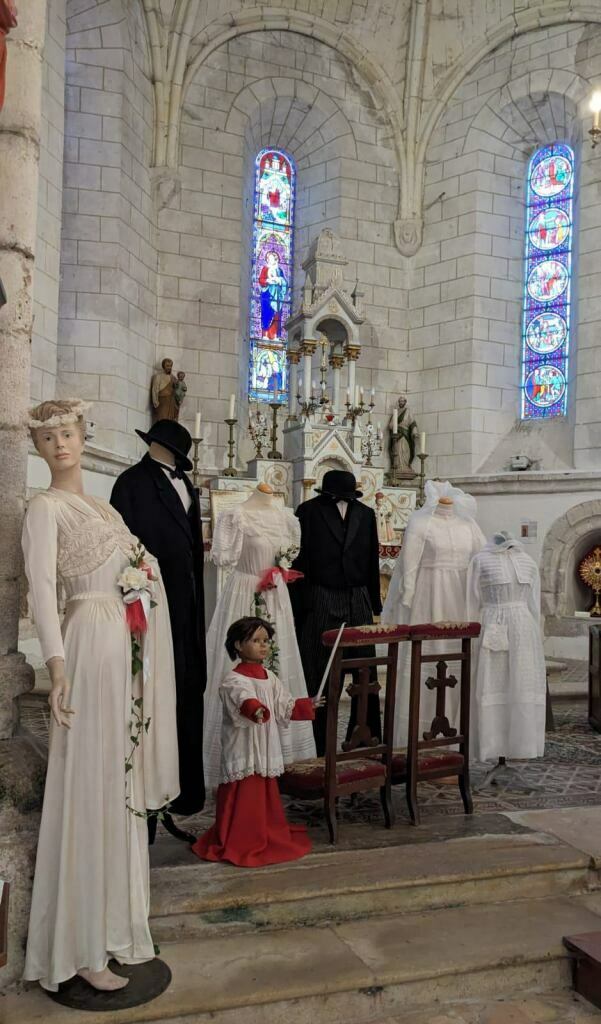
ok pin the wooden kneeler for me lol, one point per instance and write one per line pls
(433, 756)
(364, 762)
(585, 953)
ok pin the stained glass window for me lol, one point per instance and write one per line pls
(271, 274)
(546, 327)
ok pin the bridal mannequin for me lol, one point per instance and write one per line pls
(90, 893)
(429, 584)
(251, 539)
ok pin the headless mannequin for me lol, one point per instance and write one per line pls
(261, 499)
(160, 454)
(61, 448)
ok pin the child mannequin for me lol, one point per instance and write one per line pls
(251, 828)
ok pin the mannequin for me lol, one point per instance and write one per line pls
(509, 690)
(91, 882)
(429, 584)
(251, 539)
(160, 506)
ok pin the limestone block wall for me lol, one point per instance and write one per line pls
(261, 89)
(108, 294)
(465, 314)
(46, 281)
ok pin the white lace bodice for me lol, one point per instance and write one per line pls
(251, 539)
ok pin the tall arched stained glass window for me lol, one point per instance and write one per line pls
(546, 327)
(271, 273)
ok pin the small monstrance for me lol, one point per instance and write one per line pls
(590, 573)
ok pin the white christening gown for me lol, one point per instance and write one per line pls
(509, 686)
(430, 586)
(249, 540)
(90, 896)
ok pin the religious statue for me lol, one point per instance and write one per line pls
(162, 393)
(180, 389)
(384, 520)
(403, 434)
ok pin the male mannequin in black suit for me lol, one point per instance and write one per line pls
(339, 557)
(160, 506)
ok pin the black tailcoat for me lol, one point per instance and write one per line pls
(340, 561)
(153, 512)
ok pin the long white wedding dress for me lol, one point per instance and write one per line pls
(248, 540)
(429, 584)
(91, 888)
(509, 689)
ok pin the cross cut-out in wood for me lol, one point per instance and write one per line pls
(440, 723)
(361, 688)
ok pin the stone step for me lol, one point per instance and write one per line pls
(357, 971)
(191, 901)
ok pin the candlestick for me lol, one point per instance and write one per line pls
(421, 490)
(422, 441)
(231, 443)
(232, 412)
(197, 425)
(274, 453)
(196, 441)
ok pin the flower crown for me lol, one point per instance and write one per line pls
(76, 412)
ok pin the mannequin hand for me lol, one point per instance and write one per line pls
(60, 693)
(318, 702)
(259, 715)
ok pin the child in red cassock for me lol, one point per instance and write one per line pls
(250, 829)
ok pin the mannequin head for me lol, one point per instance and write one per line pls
(264, 488)
(446, 501)
(248, 639)
(58, 431)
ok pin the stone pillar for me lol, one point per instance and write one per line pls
(336, 362)
(19, 156)
(293, 392)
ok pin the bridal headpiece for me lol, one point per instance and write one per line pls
(58, 413)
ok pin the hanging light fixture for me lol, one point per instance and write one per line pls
(595, 106)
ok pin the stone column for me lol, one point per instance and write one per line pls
(293, 361)
(336, 362)
(19, 156)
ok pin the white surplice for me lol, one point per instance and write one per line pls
(429, 584)
(509, 681)
(248, 748)
(91, 888)
(249, 540)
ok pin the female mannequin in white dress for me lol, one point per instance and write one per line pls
(248, 538)
(509, 691)
(91, 887)
(429, 584)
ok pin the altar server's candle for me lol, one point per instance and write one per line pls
(232, 415)
(395, 421)
(197, 425)
(276, 393)
(422, 442)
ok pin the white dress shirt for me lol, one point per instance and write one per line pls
(177, 483)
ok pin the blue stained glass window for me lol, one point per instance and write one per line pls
(271, 274)
(548, 270)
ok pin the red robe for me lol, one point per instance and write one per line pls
(250, 827)
(8, 20)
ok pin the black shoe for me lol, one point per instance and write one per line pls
(177, 833)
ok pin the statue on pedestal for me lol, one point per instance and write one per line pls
(180, 389)
(402, 443)
(162, 393)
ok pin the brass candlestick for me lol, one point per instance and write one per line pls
(231, 444)
(421, 490)
(196, 441)
(274, 453)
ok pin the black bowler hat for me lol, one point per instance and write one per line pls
(339, 484)
(173, 437)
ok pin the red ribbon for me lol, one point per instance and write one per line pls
(269, 578)
(136, 617)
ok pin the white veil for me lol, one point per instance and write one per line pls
(402, 584)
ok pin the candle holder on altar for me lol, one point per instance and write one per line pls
(589, 571)
(196, 441)
(258, 431)
(421, 487)
(231, 445)
(371, 443)
(274, 453)
(355, 412)
(308, 406)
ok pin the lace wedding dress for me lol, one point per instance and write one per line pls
(248, 541)
(91, 888)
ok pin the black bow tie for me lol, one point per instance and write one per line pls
(174, 471)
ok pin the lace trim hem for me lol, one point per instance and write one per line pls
(246, 773)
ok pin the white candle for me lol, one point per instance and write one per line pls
(232, 415)
(373, 394)
(356, 394)
(422, 442)
(276, 393)
(348, 396)
(395, 421)
(361, 392)
(313, 387)
(197, 425)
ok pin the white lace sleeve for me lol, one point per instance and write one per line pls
(283, 701)
(40, 549)
(234, 691)
(293, 531)
(227, 538)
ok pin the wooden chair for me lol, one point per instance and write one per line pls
(4, 891)
(364, 762)
(432, 756)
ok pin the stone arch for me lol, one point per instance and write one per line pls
(560, 544)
